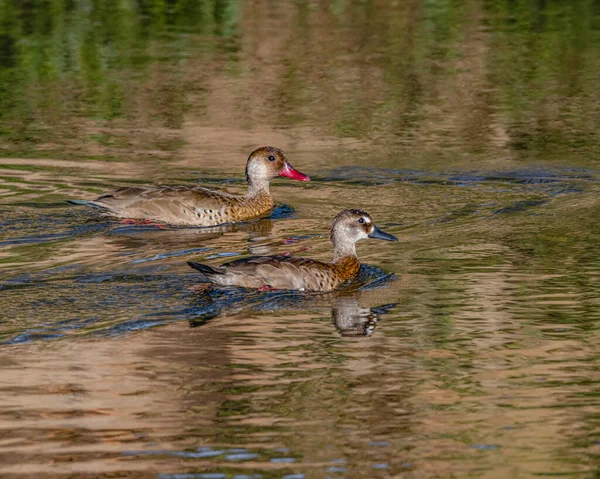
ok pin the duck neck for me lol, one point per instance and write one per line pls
(345, 263)
(258, 187)
(343, 251)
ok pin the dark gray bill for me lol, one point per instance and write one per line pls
(382, 235)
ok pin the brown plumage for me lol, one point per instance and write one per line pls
(198, 206)
(284, 272)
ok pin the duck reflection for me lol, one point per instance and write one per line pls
(138, 244)
(351, 308)
(352, 320)
(168, 237)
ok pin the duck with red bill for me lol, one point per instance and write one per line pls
(199, 206)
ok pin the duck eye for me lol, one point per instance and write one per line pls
(271, 158)
(361, 220)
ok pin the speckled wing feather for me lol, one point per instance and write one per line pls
(173, 204)
(195, 196)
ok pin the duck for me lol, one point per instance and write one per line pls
(199, 206)
(282, 272)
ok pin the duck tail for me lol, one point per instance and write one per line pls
(91, 204)
(206, 272)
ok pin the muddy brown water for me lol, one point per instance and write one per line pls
(468, 129)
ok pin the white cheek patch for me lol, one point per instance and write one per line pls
(257, 169)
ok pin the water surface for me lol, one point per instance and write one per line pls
(469, 129)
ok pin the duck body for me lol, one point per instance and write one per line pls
(281, 272)
(199, 206)
(182, 205)
(295, 273)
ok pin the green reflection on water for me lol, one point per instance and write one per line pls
(545, 63)
(453, 72)
(65, 63)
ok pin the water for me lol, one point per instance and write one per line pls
(469, 129)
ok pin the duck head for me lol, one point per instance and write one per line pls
(266, 163)
(350, 226)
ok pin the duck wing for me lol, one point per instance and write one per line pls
(280, 272)
(193, 195)
(171, 204)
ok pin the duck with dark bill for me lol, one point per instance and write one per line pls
(303, 274)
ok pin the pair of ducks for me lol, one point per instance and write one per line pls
(197, 206)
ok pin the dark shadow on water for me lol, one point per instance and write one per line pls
(519, 207)
(49, 228)
(552, 181)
